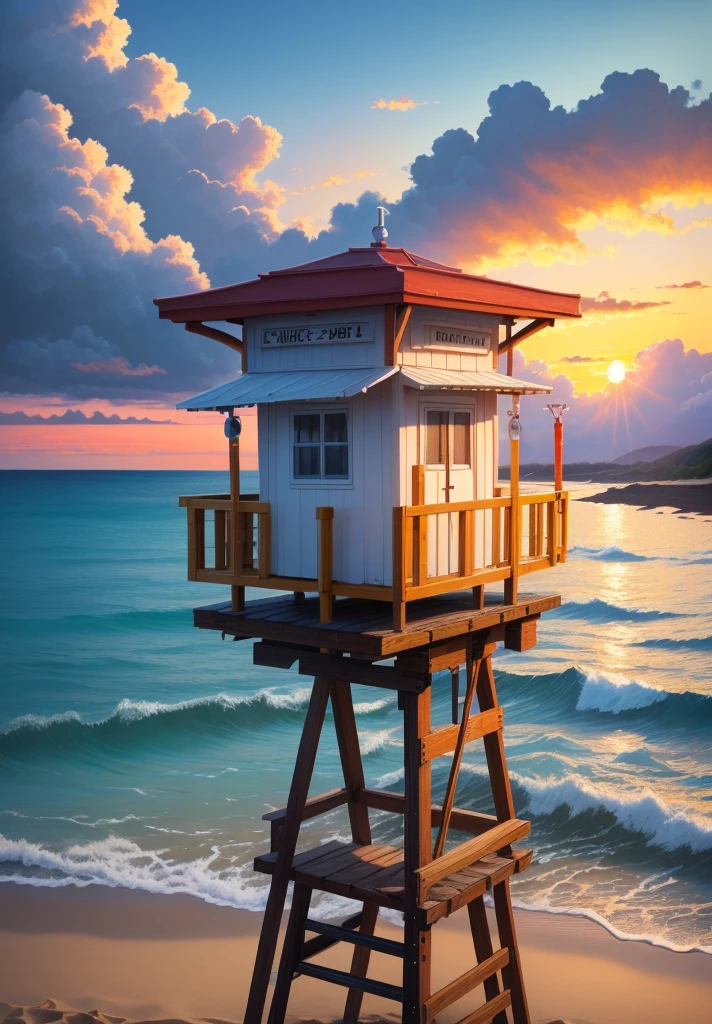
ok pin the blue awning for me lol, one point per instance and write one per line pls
(288, 386)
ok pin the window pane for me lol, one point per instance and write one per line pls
(306, 427)
(435, 438)
(336, 461)
(307, 462)
(461, 439)
(335, 426)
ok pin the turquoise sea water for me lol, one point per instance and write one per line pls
(137, 751)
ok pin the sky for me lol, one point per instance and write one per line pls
(567, 146)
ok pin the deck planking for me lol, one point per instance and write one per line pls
(365, 627)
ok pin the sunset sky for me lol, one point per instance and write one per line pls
(154, 148)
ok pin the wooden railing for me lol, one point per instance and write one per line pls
(538, 542)
(479, 547)
(245, 530)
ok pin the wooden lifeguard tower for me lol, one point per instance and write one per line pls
(374, 374)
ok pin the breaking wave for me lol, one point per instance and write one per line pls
(601, 611)
(139, 722)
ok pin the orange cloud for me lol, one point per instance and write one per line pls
(338, 179)
(610, 306)
(687, 284)
(404, 103)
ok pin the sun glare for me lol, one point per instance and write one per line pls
(616, 371)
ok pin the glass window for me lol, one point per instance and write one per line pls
(435, 437)
(460, 439)
(321, 446)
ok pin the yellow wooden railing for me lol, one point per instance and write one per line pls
(537, 541)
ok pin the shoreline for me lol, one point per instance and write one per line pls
(144, 956)
(693, 497)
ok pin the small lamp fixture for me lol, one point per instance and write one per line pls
(514, 422)
(380, 232)
(232, 427)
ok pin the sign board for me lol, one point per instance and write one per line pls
(447, 336)
(317, 334)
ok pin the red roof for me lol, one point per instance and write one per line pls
(366, 277)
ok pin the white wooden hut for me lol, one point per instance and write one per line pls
(374, 374)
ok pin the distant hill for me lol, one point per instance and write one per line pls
(693, 463)
(650, 454)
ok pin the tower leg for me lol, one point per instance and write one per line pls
(352, 766)
(504, 806)
(298, 793)
(291, 953)
(417, 845)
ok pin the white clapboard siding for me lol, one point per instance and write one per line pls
(451, 358)
(362, 508)
(315, 357)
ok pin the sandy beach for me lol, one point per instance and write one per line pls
(145, 957)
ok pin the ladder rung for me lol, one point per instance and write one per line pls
(488, 1010)
(312, 947)
(342, 934)
(375, 988)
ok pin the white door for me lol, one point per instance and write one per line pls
(448, 457)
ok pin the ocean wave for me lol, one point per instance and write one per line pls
(612, 554)
(139, 722)
(375, 742)
(695, 643)
(641, 811)
(601, 611)
(121, 863)
(576, 690)
(614, 692)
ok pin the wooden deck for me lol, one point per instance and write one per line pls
(366, 627)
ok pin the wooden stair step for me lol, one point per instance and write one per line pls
(465, 983)
(375, 988)
(340, 934)
(489, 1010)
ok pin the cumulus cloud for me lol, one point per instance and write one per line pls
(579, 359)
(74, 417)
(338, 179)
(404, 103)
(666, 398)
(687, 284)
(607, 304)
(115, 191)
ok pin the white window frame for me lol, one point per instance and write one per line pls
(321, 482)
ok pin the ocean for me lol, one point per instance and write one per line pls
(139, 752)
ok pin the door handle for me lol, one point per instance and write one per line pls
(450, 487)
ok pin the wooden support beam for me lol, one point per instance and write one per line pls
(325, 569)
(353, 670)
(417, 838)
(473, 664)
(512, 340)
(482, 941)
(488, 1011)
(399, 584)
(472, 822)
(445, 740)
(521, 636)
(196, 327)
(402, 319)
(298, 791)
(340, 933)
(313, 947)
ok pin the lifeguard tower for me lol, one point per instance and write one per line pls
(374, 374)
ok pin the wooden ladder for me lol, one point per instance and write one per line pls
(421, 879)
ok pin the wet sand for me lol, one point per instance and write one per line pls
(142, 957)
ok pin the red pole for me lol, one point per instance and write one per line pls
(559, 453)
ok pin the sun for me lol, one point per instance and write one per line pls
(616, 372)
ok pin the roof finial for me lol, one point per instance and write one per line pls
(380, 233)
